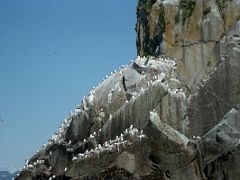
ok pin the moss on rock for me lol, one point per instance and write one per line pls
(220, 4)
(186, 7)
(146, 5)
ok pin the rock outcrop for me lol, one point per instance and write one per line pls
(188, 30)
(157, 117)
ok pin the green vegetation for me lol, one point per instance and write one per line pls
(145, 4)
(220, 4)
(187, 7)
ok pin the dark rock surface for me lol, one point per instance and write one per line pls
(159, 118)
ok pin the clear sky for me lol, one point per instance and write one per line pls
(51, 54)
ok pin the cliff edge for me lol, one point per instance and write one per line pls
(173, 113)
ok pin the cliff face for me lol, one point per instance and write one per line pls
(189, 31)
(203, 38)
(157, 117)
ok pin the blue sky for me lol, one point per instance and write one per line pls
(52, 52)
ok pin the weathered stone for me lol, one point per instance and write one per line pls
(231, 13)
(173, 152)
(221, 148)
(174, 84)
(218, 92)
(158, 118)
(126, 161)
(223, 138)
(193, 42)
(103, 118)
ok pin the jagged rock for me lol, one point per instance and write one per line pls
(218, 92)
(95, 138)
(126, 161)
(173, 151)
(190, 33)
(223, 138)
(221, 148)
(159, 118)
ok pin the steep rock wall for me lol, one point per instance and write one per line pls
(159, 118)
(189, 31)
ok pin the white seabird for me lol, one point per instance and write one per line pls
(91, 136)
(121, 137)
(131, 127)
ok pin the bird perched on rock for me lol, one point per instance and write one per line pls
(121, 137)
(117, 138)
(131, 127)
(106, 144)
(110, 117)
(74, 158)
(91, 136)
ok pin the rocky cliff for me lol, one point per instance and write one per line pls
(190, 31)
(173, 113)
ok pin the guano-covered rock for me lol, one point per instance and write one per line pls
(159, 117)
